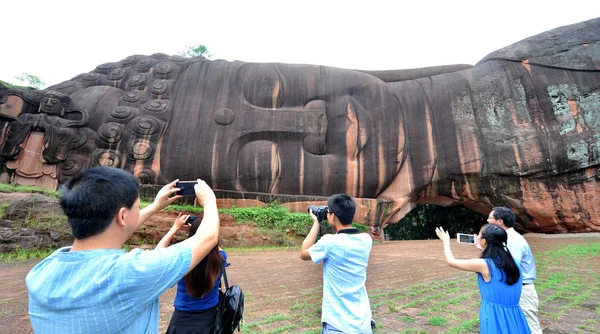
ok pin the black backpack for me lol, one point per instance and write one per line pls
(230, 309)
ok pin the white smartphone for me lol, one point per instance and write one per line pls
(465, 238)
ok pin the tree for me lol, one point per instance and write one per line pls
(421, 222)
(30, 80)
(196, 51)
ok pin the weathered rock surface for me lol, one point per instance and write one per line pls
(35, 221)
(12, 238)
(520, 129)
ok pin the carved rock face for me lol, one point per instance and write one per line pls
(51, 106)
(519, 129)
(283, 129)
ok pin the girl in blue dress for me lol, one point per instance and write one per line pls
(499, 279)
(197, 292)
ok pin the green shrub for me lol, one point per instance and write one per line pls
(272, 216)
(9, 188)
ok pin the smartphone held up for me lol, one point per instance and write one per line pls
(465, 238)
(186, 188)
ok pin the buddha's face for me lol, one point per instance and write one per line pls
(291, 129)
(51, 105)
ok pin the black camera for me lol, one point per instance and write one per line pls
(319, 211)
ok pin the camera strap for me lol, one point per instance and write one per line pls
(351, 230)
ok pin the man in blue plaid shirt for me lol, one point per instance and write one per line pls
(95, 286)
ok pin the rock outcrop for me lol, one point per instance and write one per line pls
(519, 129)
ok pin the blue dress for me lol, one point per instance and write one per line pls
(500, 311)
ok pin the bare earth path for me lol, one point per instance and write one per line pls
(274, 280)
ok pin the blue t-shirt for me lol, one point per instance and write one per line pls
(184, 302)
(103, 290)
(345, 301)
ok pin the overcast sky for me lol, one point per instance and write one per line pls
(57, 40)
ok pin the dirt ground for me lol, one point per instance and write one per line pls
(273, 280)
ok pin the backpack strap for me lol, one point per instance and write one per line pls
(225, 274)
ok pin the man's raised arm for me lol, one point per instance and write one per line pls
(207, 235)
(162, 199)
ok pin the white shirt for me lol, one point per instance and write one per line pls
(345, 301)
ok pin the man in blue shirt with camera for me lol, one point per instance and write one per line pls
(345, 256)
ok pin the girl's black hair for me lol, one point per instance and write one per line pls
(200, 280)
(497, 251)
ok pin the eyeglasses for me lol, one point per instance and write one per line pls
(492, 217)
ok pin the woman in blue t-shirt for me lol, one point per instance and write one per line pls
(198, 291)
(499, 279)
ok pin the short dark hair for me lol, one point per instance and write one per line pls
(343, 207)
(506, 214)
(92, 198)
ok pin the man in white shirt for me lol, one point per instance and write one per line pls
(345, 255)
(521, 252)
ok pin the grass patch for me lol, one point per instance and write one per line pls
(466, 326)
(566, 283)
(9, 188)
(413, 331)
(578, 251)
(437, 321)
(3, 208)
(269, 320)
(21, 254)
(271, 217)
(282, 329)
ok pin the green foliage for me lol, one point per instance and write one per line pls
(30, 80)
(197, 50)
(21, 254)
(272, 216)
(438, 321)
(183, 208)
(9, 188)
(576, 251)
(3, 208)
(421, 222)
(407, 319)
(567, 283)
(362, 228)
(9, 85)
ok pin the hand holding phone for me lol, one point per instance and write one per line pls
(465, 238)
(204, 194)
